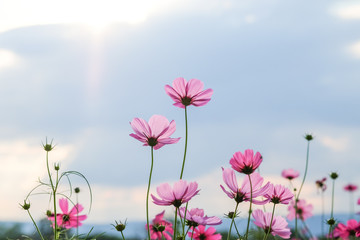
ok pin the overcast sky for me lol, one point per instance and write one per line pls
(79, 72)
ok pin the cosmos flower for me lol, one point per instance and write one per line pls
(243, 193)
(199, 233)
(156, 133)
(247, 162)
(195, 217)
(278, 225)
(68, 219)
(278, 194)
(351, 187)
(160, 227)
(181, 193)
(345, 231)
(321, 184)
(304, 210)
(290, 174)
(188, 93)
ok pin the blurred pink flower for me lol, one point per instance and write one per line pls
(321, 184)
(160, 226)
(304, 210)
(343, 231)
(278, 226)
(68, 219)
(247, 162)
(243, 194)
(278, 194)
(351, 187)
(199, 233)
(188, 93)
(156, 133)
(290, 174)
(181, 193)
(196, 217)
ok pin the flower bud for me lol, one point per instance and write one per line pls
(25, 206)
(49, 213)
(309, 137)
(334, 175)
(48, 146)
(331, 221)
(119, 226)
(57, 166)
(77, 190)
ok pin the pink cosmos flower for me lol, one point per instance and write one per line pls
(195, 217)
(350, 187)
(156, 133)
(247, 162)
(243, 194)
(345, 231)
(160, 227)
(278, 225)
(181, 193)
(290, 174)
(321, 184)
(188, 93)
(68, 219)
(304, 210)
(278, 194)
(199, 233)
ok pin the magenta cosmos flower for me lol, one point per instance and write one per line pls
(352, 229)
(156, 133)
(68, 219)
(160, 227)
(188, 93)
(351, 187)
(247, 162)
(181, 193)
(243, 193)
(290, 174)
(304, 210)
(321, 184)
(278, 225)
(278, 194)
(195, 217)
(200, 233)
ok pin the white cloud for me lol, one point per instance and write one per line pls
(354, 49)
(347, 12)
(335, 144)
(7, 59)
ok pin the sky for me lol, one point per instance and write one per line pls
(78, 72)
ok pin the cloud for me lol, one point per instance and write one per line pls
(335, 144)
(354, 49)
(7, 59)
(347, 12)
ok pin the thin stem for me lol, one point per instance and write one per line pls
(232, 221)
(237, 231)
(271, 221)
(250, 209)
(175, 223)
(77, 215)
(122, 235)
(322, 213)
(302, 183)
(307, 228)
(37, 229)
(192, 233)
(351, 205)
(186, 140)
(332, 209)
(148, 190)
(54, 195)
(183, 223)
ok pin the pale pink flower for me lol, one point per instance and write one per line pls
(278, 194)
(68, 219)
(343, 231)
(199, 233)
(304, 210)
(243, 193)
(196, 217)
(290, 174)
(247, 162)
(351, 187)
(181, 193)
(156, 133)
(160, 227)
(188, 93)
(278, 225)
(321, 184)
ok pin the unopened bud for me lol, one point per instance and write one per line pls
(57, 166)
(309, 137)
(25, 206)
(48, 146)
(120, 226)
(334, 175)
(77, 190)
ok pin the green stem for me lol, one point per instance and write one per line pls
(232, 221)
(54, 188)
(186, 140)
(250, 209)
(148, 190)
(122, 235)
(332, 209)
(175, 223)
(237, 231)
(307, 228)
(192, 234)
(322, 213)
(37, 229)
(302, 183)
(183, 223)
(271, 221)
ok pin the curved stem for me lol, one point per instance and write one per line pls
(237, 231)
(232, 221)
(271, 221)
(148, 190)
(250, 209)
(183, 224)
(53, 188)
(37, 229)
(186, 140)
